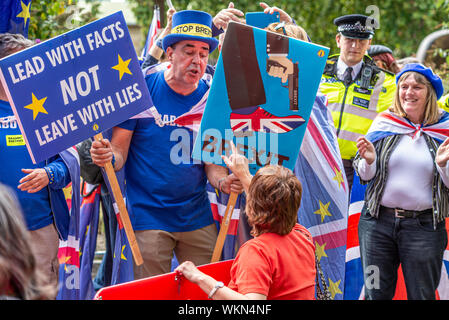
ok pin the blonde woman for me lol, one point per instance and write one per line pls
(404, 160)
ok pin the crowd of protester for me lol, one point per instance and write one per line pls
(385, 112)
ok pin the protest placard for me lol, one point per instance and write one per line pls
(74, 86)
(261, 97)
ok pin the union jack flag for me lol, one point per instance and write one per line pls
(190, 119)
(263, 121)
(387, 123)
(155, 26)
(218, 202)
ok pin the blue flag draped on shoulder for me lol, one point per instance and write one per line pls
(324, 206)
(15, 16)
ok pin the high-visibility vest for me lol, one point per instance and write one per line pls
(354, 107)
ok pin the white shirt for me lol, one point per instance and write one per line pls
(410, 175)
(341, 68)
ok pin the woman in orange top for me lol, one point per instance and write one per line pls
(279, 263)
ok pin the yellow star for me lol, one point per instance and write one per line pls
(67, 192)
(319, 250)
(323, 210)
(338, 177)
(122, 67)
(25, 13)
(123, 256)
(333, 288)
(65, 262)
(37, 106)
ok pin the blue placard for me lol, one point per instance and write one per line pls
(261, 19)
(261, 97)
(74, 86)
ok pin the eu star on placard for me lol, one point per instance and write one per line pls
(37, 105)
(122, 67)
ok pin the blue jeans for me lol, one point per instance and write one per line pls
(388, 241)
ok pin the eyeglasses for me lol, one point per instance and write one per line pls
(281, 25)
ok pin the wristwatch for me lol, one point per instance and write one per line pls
(218, 285)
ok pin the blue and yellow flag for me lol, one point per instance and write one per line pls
(15, 16)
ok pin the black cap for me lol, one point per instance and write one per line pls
(376, 49)
(356, 26)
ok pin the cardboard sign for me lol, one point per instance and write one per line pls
(166, 286)
(261, 97)
(74, 86)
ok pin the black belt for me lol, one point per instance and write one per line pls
(401, 213)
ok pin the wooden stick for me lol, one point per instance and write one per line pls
(110, 172)
(224, 227)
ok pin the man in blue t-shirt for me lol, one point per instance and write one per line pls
(166, 189)
(38, 186)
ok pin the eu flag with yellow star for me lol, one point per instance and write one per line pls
(324, 206)
(122, 260)
(75, 85)
(15, 16)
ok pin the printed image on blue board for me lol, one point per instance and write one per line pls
(74, 86)
(261, 97)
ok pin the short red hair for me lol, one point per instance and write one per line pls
(274, 197)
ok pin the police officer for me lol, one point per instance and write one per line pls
(383, 57)
(355, 87)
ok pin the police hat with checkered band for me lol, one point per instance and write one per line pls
(356, 26)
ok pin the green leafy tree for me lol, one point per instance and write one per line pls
(50, 18)
(403, 24)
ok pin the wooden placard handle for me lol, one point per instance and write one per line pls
(110, 172)
(224, 227)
